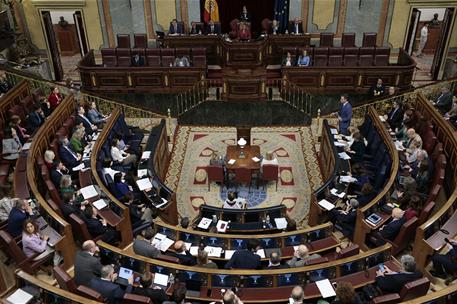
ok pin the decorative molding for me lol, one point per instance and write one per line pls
(108, 23)
(382, 22)
(323, 13)
(59, 3)
(148, 19)
(341, 18)
(305, 12)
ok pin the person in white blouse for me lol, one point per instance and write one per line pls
(411, 153)
(107, 163)
(269, 159)
(119, 156)
(422, 40)
(234, 202)
(11, 144)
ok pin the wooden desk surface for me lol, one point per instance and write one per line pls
(233, 152)
(385, 217)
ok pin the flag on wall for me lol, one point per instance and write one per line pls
(282, 14)
(211, 11)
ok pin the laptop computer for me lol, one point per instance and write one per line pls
(45, 229)
(123, 275)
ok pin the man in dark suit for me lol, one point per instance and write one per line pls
(245, 16)
(175, 28)
(97, 227)
(35, 119)
(87, 266)
(395, 116)
(445, 265)
(296, 27)
(275, 261)
(183, 254)
(18, 214)
(344, 115)
(444, 101)
(392, 282)
(81, 118)
(213, 29)
(147, 289)
(142, 245)
(246, 258)
(275, 27)
(68, 156)
(344, 220)
(58, 170)
(112, 292)
(390, 230)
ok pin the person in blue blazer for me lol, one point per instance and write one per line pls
(175, 27)
(344, 115)
(105, 285)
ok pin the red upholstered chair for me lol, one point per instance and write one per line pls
(123, 41)
(199, 51)
(381, 60)
(326, 39)
(365, 60)
(69, 123)
(350, 60)
(441, 161)
(433, 194)
(265, 24)
(270, 173)
(27, 264)
(366, 51)
(320, 60)
(44, 172)
(168, 56)
(53, 192)
(215, 174)
(153, 57)
(109, 57)
(425, 213)
(410, 291)
(437, 151)
(64, 280)
(80, 229)
(351, 51)
(233, 28)
(243, 177)
(140, 40)
(316, 261)
(429, 141)
(28, 103)
(89, 293)
(130, 298)
(335, 51)
(199, 57)
(321, 51)
(382, 51)
(54, 207)
(438, 177)
(335, 60)
(369, 39)
(348, 40)
(124, 57)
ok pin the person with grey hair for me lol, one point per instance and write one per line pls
(18, 214)
(297, 295)
(301, 255)
(275, 261)
(69, 157)
(392, 281)
(105, 285)
(444, 102)
(344, 219)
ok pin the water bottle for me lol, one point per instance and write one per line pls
(171, 278)
(214, 219)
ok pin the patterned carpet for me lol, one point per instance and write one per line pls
(294, 147)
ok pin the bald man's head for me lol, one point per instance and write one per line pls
(397, 213)
(179, 246)
(297, 294)
(89, 246)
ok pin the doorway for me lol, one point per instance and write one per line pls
(66, 40)
(430, 53)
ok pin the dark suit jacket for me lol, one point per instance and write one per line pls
(244, 259)
(246, 18)
(86, 123)
(391, 230)
(395, 118)
(346, 116)
(444, 103)
(179, 27)
(358, 146)
(347, 222)
(67, 158)
(95, 227)
(34, 121)
(278, 30)
(145, 248)
(16, 219)
(393, 283)
(184, 259)
(109, 290)
(87, 267)
(292, 28)
(217, 29)
(157, 296)
(56, 177)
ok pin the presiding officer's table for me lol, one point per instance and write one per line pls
(233, 152)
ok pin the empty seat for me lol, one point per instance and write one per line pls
(348, 40)
(350, 60)
(326, 39)
(140, 41)
(335, 60)
(335, 51)
(183, 52)
(199, 61)
(123, 41)
(369, 40)
(167, 52)
(366, 51)
(109, 57)
(320, 60)
(351, 51)
(381, 60)
(124, 57)
(382, 51)
(167, 57)
(153, 57)
(365, 60)
(64, 280)
(321, 51)
(198, 51)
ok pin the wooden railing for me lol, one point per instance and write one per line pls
(41, 142)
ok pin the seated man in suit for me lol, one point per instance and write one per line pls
(390, 230)
(395, 116)
(245, 15)
(378, 89)
(105, 285)
(275, 261)
(35, 119)
(296, 27)
(444, 102)
(17, 216)
(246, 258)
(175, 28)
(213, 29)
(98, 227)
(392, 282)
(87, 265)
(137, 60)
(68, 157)
(57, 171)
(195, 29)
(275, 27)
(183, 254)
(181, 61)
(142, 245)
(344, 220)
(412, 136)
(81, 118)
(445, 265)
(301, 255)
(147, 289)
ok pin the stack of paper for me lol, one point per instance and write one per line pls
(333, 131)
(144, 184)
(281, 223)
(231, 161)
(161, 242)
(100, 204)
(221, 226)
(335, 193)
(19, 297)
(142, 172)
(228, 254)
(347, 179)
(325, 288)
(326, 204)
(88, 192)
(204, 223)
(256, 159)
(213, 251)
(146, 154)
(193, 250)
(344, 156)
(261, 252)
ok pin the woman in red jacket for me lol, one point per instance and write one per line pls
(244, 33)
(55, 98)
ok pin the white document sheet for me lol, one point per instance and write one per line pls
(160, 279)
(344, 155)
(228, 254)
(326, 204)
(204, 223)
(335, 193)
(213, 251)
(281, 223)
(88, 192)
(79, 167)
(100, 204)
(261, 252)
(231, 162)
(146, 154)
(326, 288)
(256, 159)
(142, 172)
(144, 184)
(19, 297)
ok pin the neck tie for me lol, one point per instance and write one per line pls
(393, 113)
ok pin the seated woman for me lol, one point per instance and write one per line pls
(35, 244)
(411, 153)
(21, 132)
(304, 59)
(119, 156)
(288, 60)
(66, 185)
(269, 159)
(11, 144)
(244, 32)
(95, 116)
(233, 202)
(413, 207)
(49, 157)
(357, 149)
(55, 98)
(76, 141)
(98, 227)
